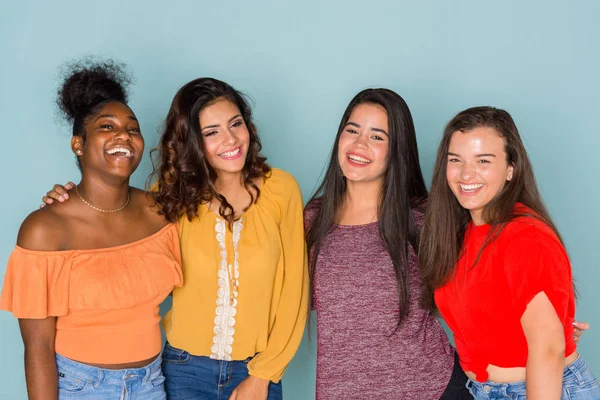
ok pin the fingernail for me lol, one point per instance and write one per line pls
(574, 323)
(66, 196)
(60, 198)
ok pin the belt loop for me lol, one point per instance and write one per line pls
(576, 370)
(99, 379)
(148, 371)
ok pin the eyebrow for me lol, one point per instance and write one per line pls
(477, 155)
(217, 125)
(373, 129)
(131, 117)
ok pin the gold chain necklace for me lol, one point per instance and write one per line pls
(100, 209)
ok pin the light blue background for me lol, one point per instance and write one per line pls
(302, 62)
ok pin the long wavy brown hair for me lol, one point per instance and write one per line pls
(446, 220)
(185, 177)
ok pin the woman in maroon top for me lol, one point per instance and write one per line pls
(374, 340)
(495, 266)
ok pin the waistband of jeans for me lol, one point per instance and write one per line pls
(84, 371)
(170, 347)
(575, 367)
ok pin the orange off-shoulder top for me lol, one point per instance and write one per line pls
(106, 300)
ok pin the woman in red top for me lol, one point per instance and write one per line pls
(494, 264)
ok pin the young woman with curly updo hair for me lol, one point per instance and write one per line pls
(239, 318)
(87, 276)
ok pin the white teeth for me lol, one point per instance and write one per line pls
(470, 188)
(230, 153)
(123, 150)
(358, 159)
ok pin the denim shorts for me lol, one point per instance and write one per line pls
(191, 377)
(578, 384)
(81, 381)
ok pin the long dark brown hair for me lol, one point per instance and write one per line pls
(403, 189)
(185, 178)
(446, 220)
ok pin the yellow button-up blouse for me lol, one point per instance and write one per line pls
(245, 290)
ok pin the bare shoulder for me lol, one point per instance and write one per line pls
(145, 200)
(42, 230)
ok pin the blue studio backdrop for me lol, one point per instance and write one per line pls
(302, 62)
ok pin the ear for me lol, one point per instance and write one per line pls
(77, 145)
(509, 175)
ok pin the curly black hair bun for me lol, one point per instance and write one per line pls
(88, 83)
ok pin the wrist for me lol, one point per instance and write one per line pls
(258, 381)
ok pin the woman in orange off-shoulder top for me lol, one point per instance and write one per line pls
(87, 276)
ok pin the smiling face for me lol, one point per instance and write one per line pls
(113, 141)
(477, 169)
(225, 137)
(363, 144)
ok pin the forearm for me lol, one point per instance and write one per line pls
(545, 368)
(41, 373)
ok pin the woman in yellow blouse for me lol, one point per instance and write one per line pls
(239, 317)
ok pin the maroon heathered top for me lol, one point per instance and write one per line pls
(359, 356)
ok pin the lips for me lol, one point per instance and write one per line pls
(120, 152)
(231, 154)
(358, 160)
(469, 189)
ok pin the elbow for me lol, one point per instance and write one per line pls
(38, 347)
(549, 351)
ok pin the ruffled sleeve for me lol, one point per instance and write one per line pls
(36, 284)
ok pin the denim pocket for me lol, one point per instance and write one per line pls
(173, 355)
(68, 382)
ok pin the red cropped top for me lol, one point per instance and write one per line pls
(483, 304)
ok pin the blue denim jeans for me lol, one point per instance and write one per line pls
(81, 381)
(201, 378)
(578, 384)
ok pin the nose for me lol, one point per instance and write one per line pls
(467, 172)
(230, 138)
(123, 134)
(361, 139)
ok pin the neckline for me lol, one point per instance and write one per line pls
(479, 230)
(103, 249)
(265, 180)
(356, 226)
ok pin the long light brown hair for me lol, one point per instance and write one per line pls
(446, 220)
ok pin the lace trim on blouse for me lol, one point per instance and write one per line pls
(227, 293)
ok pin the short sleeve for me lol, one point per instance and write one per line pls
(537, 262)
(36, 284)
